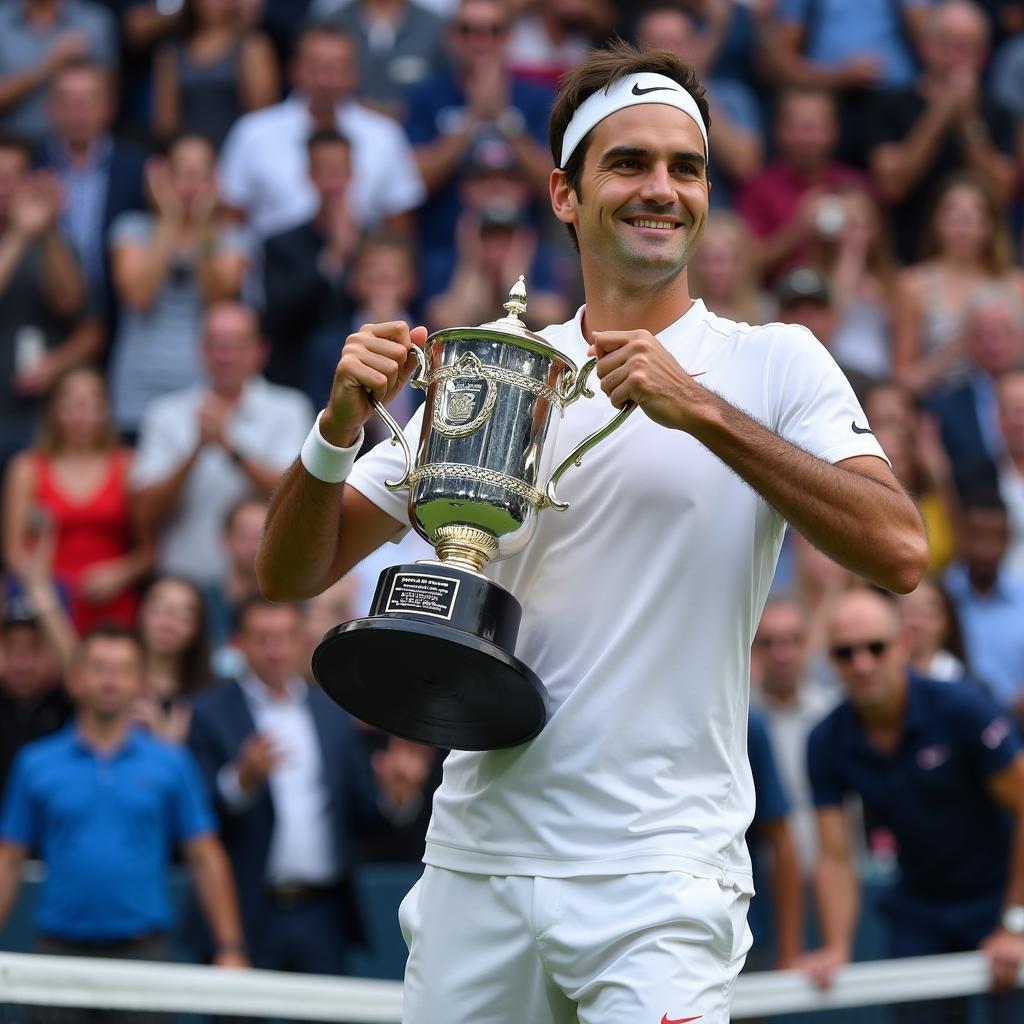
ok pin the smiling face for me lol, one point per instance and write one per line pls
(642, 204)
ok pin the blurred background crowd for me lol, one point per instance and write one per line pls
(199, 200)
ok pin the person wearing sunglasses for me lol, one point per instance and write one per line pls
(941, 767)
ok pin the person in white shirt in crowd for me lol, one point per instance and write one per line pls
(292, 785)
(792, 703)
(203, 448)
(264, 162)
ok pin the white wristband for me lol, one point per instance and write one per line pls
(326, 461)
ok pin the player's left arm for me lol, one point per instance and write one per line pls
(854, 510)
(1005, 950)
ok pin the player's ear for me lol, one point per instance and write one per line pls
(563, 197)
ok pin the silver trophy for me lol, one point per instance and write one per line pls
(434, 661)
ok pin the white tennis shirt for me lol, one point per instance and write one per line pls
(639, 605)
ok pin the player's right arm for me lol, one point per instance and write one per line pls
(316, 531)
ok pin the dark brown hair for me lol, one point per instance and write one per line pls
(997, 257)
(193, 668)
(112, 631)
(605, 67)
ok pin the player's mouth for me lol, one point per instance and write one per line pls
(654, 223)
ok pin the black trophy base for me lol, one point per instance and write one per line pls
(434, 662)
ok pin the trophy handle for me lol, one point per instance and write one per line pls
(577, 389)
(418, 380)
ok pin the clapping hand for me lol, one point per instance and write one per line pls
(213, 420)
(36, 204)
(161, 188)
(259, 756)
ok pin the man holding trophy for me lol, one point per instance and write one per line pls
(587, 864)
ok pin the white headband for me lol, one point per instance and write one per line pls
(646, 87)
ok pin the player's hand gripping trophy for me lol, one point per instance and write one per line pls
(434, 661)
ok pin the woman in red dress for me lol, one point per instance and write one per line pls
(75, 482)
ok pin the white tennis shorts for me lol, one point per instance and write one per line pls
(651, 948)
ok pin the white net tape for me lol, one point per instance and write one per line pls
(130, 985)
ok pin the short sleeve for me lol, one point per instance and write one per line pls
(191, 813)
(233, 168)
(827, 788)
(987, 732)
(810, 401)
(402, 187)
(387, 462)
(19, 817)
(771, 801)
(133, 227)
(163, 446)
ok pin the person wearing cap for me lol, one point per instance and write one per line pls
(600, 870)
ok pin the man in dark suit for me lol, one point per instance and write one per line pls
(101, 175)
(968, 413)
(292, 784)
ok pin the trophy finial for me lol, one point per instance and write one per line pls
(516, 305)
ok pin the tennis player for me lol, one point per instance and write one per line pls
(599, 873)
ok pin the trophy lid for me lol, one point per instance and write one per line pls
(510, 326)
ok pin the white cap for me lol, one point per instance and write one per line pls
(644, 87)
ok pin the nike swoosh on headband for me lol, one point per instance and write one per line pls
(637, 91)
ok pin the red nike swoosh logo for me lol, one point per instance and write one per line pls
(679, 1020)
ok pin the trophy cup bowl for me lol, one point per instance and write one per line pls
(434, 660)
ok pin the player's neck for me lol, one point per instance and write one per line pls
(620, 306)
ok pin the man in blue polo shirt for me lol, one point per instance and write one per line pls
(942, 768)
(103, 804)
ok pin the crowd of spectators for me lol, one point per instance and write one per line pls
(199, 200)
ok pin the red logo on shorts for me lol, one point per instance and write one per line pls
(665, 1019)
